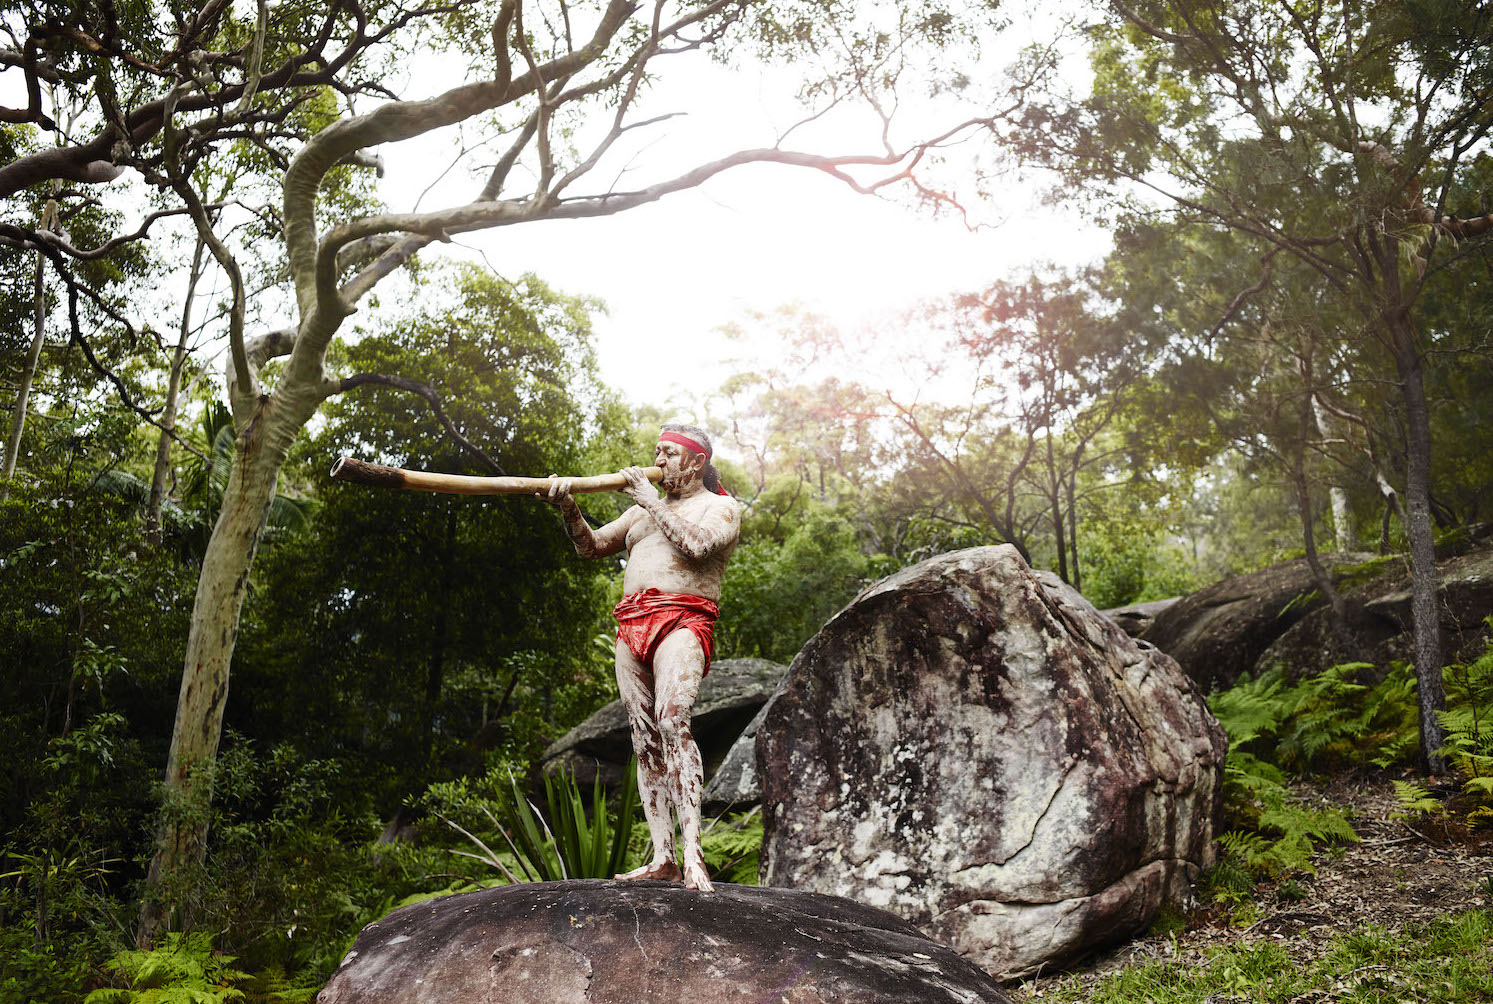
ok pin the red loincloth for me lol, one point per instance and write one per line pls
(646, 618)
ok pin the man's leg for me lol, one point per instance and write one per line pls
(635, 685)
(678, 666)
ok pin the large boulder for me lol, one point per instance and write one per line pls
(972, 746)
(593, 942)
(731, 694)
(1379, 626)
(1218, 633)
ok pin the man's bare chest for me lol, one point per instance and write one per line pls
(646, 533)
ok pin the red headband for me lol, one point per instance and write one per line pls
(684, 441)
(694, 447)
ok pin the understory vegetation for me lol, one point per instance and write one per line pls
(1349, 717)
(1447, 961)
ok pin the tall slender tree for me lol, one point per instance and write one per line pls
(1327, 133)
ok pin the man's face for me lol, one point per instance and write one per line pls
(677, 463)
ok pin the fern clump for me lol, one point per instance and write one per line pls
(733, 847)
(1468, 721)
(184, 969)
(1332, 719)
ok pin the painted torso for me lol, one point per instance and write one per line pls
(652, 560)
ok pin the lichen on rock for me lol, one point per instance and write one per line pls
(970, 745)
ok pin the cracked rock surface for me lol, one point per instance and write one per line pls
(638, 942)
(970, 745)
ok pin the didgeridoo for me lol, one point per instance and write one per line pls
(362, 473)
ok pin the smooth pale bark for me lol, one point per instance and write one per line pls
(259, 453)
(1337, 497)
(168, 413)
(28, 374)
(1307, 511)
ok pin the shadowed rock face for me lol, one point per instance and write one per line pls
(732, 693)
(735, 784)
(1379, 627)
(632, 943)
(1137, 617)
(972, 746)
(1218, 633)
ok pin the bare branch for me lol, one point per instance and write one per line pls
(1266, 265)
(256, 60)
(431, 398)
(60, 242)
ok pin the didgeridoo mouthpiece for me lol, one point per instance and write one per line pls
(363, 473)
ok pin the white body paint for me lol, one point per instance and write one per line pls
(676, 544)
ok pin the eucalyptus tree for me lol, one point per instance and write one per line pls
(302, 94)
(1331, 134)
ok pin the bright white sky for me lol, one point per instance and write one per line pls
(754, 238)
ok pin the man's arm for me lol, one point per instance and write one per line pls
(694, 540)
(589, 543)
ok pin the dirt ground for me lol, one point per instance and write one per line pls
(1398, 873)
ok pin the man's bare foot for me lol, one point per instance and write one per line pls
(695, 877)
(662, 871)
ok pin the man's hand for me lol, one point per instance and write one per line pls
(558, 493)
(638, 487)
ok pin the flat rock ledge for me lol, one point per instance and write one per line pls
(635, 942)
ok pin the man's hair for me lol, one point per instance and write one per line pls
(711, 477)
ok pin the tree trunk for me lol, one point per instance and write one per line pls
(1054, 492)
(1342, 517)
(1423, 576)
(1071, 487)
(28, 374)
(1337, 610)
(181, 839)
(168, 414)
(1308, 423)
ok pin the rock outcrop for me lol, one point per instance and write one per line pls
(633, 943)
(1137, 617)
(972, 746)
(1379, 626)
(731, 695)
(735, 784)
(1217, 634)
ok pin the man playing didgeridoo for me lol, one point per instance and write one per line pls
(677, 548)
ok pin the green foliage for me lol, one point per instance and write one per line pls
(1468, 721)
(1446, 961)
(1416, 800)
(733, 847)
(1335, 718)
(1324, 720)
(572, 840)
(1274, 833)
(408, 630)
(1270, 726)
(54, 971)
(800, 561)
(184, 969)
(289, 873)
